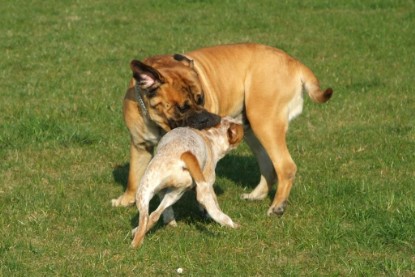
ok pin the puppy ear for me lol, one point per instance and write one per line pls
(235, 133)
(184, 60)
(146, 76)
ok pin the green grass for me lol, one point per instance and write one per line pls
(64, 67)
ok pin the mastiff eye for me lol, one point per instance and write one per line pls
(184, 108)
(151, 93)
(200, 100)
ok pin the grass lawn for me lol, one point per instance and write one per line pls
(64, 149)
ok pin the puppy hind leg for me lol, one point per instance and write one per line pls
(268, 176)
(141, 230)
(171, 196)
(147, 222)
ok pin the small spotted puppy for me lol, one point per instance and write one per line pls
(185, 158)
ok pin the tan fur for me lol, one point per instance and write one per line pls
(260, 83)
(235, 133)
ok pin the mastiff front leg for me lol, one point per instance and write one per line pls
(140, 156)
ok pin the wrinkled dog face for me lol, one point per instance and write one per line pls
(173, 92)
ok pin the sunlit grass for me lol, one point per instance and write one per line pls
(64, 148)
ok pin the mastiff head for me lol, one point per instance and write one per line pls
(172, 91)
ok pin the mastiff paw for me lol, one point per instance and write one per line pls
(277, 210)
(123, 201)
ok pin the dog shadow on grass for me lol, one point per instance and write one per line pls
(186, 211)
(240, 170)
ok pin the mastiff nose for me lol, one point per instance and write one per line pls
(203, 120)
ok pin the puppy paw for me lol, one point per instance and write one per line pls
(251, 196)
(230, 223)
(123, 201)
(133, 231)
(136, 243)
(171, 223)
(236, 225)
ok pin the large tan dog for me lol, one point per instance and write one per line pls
(262, 84)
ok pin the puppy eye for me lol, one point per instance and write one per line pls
(184, 108)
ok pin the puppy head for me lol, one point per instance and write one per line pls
(173, 92)
(225, 136)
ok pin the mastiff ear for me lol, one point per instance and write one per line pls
(146, 76)
(184, 60)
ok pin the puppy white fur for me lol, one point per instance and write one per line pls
(185, 157)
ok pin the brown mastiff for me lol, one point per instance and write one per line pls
(260, 84)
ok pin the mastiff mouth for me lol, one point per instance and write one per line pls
(198, 120)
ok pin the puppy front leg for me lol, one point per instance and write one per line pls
(207, 197)
(140, 156)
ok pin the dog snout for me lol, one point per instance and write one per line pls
(203, 120)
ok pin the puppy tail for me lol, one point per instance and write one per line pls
(312, 86)
(193, 166)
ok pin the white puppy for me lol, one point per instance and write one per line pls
(185, 157)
